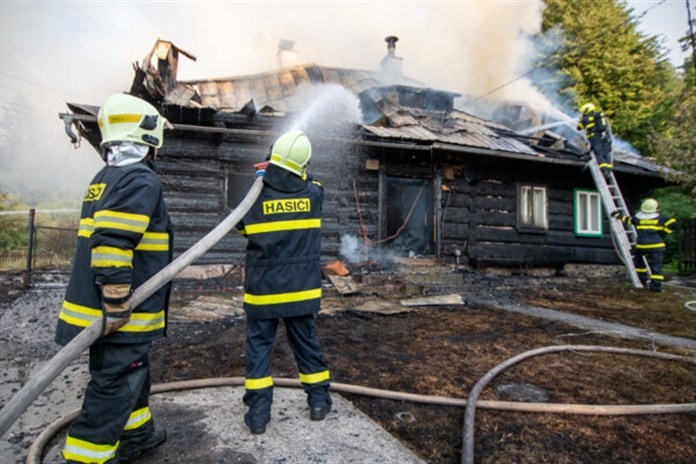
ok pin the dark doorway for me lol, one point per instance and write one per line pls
(409, 213)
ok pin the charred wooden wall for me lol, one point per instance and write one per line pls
(480, 213)
(204, 177)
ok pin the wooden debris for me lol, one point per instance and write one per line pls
(453, 299)
(345, 285)
(385, 308)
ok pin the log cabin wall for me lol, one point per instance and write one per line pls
(205, 176)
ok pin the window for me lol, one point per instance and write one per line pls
(532, 215)
(238, 178)
(588, 213)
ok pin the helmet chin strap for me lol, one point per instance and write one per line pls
(124, 153)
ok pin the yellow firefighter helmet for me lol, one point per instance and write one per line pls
(125, 118)
(587, 108)
(292, 152)
(649, 206)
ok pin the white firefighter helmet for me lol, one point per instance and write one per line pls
(125, 118)
(649, 206)
(292, 152)
(587, 108)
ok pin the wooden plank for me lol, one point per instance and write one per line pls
(436, 300)
(385, 308)
(345, 285)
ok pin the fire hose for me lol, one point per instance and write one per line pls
(38, 383)
(37, 448)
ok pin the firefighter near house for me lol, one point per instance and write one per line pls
(650, 247)
(598, 131)
(124, 238)
(283, 279)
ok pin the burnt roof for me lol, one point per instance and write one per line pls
(406, 110)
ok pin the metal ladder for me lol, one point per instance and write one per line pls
(624, 236)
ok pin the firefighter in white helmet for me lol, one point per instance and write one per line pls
(283, 279)
(124, 238)
(650, 248)
(598, 132)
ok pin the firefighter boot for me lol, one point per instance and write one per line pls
(130, 449)
(318, 413)
(655, 286)
(257, 418)
(319, 404)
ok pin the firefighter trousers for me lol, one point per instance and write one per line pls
(601, 147)
(314, 373)
(654, 257)
(115, 406)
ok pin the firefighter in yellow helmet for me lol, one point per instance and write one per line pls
(124, 238)
(598, 133)
(283, 279)
(650, 248)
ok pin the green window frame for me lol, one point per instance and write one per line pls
(587, 213)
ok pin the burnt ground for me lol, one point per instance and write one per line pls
(444, 350)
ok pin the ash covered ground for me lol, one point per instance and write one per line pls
(370, 339)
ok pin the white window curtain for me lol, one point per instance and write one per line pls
(533, 206)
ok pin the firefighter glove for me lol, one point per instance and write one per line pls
(616, 214)
(116, 301)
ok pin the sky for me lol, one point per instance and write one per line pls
(54, 52)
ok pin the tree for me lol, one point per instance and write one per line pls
(676, 148)
(599, 56)
(12, 227)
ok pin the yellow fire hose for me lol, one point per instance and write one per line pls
(38, 383)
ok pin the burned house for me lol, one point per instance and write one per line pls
(402, 167)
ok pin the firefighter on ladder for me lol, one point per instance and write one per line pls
(283, 279)
(598, 132)
(650, 247)
(124, 238)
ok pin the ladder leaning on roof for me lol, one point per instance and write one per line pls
(624, 236)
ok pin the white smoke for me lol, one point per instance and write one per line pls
(468, 47)
(355, 250)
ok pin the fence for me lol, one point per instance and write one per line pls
(48, 249)
(687, 245)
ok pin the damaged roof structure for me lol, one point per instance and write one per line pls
(412, 173)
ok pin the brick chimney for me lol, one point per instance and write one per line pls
(392, 65)
(286, 56)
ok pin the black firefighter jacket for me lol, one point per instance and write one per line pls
(124, 236)
(283, 269)
(649, 228)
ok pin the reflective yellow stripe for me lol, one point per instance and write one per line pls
(123, 118)
(648, 227)
(154, 241)
(606, 165)
(257, 384)
(278, 226)
(138, 418)
(657, 277)
(81, 316)
(83, 451)
(641, 269)
(144, 322)
(105, 256)
(314, 378)
(122, 221)
(86, 227)
(652, 245)
(282, 297)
